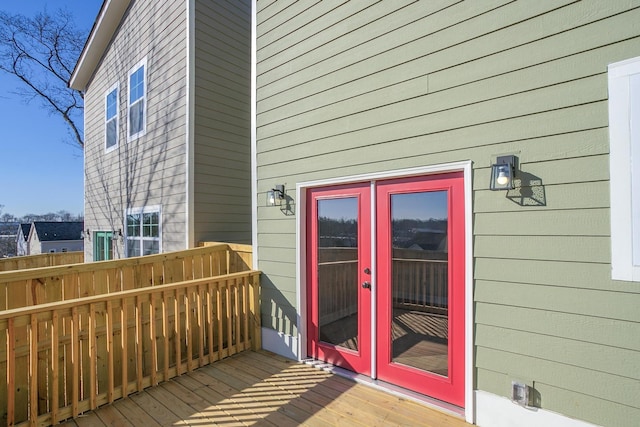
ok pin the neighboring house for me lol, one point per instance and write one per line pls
(167, 135)
(8, 239)
(49, 237)
(376, 126)
(382, 117)
(22, 245)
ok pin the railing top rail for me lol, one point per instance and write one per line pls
(67, 304)
(32, 273)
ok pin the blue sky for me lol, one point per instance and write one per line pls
(40, 168)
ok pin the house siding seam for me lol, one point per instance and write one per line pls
(344, 89)
(149, 170)
(222, 186)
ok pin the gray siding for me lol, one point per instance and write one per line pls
(353, 87)
(152, 169)
(222, 149)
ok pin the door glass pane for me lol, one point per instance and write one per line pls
(99, 247)
(420, 334)
(338, 272)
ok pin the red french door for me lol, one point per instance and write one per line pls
(418, 244)
(339, 253)
(420, 279)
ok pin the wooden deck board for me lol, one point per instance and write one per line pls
(260, 388)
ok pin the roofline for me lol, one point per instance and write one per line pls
(107, 21)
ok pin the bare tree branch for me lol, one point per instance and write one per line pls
(41, 53)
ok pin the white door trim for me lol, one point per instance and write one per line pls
(301, 268)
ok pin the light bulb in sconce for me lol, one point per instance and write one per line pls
(503, 178)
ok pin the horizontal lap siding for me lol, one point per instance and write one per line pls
(354, 88)
(151, 169)
(222, 174)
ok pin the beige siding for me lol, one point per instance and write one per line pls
(349, 88)
(152, 169)
(222, 174)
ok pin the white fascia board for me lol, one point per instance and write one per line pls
(104, 28)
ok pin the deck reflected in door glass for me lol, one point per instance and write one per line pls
(420, 321)
(338, 271)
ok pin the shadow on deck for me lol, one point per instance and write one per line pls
(260, 388)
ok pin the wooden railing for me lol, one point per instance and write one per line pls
(420, 281)
(41, 260)
(61, 359)
(420, 284)
(25, 288)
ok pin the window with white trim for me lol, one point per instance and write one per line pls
(624, 167)
(143, 231)
(111, 118)
(136, 111)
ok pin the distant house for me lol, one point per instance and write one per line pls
(48, 237)
(22, 246)
(7, 239)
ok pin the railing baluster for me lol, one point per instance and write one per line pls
(219, 319)
(93, 365)
(177, 341)
(124, 355)
(33, 371)
(139, 344)
(110, 368)
(245, 313)
(11, 372)
(188, 332)
(55, 377)
(229, 318)
(165, 333)
(200, 325)
(236, 309)
(75, 361)
(152, 337)
(210, 320)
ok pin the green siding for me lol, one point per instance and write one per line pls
(355, 88)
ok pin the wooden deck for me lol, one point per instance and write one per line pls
(260, 388)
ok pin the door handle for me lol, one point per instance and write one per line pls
(366, 285)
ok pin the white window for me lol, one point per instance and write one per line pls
(111, 118)
(624, 167)
(136, 114)
(143, 231)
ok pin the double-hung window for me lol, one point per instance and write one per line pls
(136, 114)
(144, 231)
(111, 118)
(624, 168)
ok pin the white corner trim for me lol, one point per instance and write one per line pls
(254, 121)
(621, 171)
(497, 411)
(190, 130)
(279, 343)
(469, 361)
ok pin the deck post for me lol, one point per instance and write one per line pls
(256, 322)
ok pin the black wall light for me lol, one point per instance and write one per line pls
(503, 172)
(275, 195)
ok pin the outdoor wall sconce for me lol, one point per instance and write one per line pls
(85, 234)
(275, 195)
(503, 172)
(117, 234)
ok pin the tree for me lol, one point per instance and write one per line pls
(42, 52)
